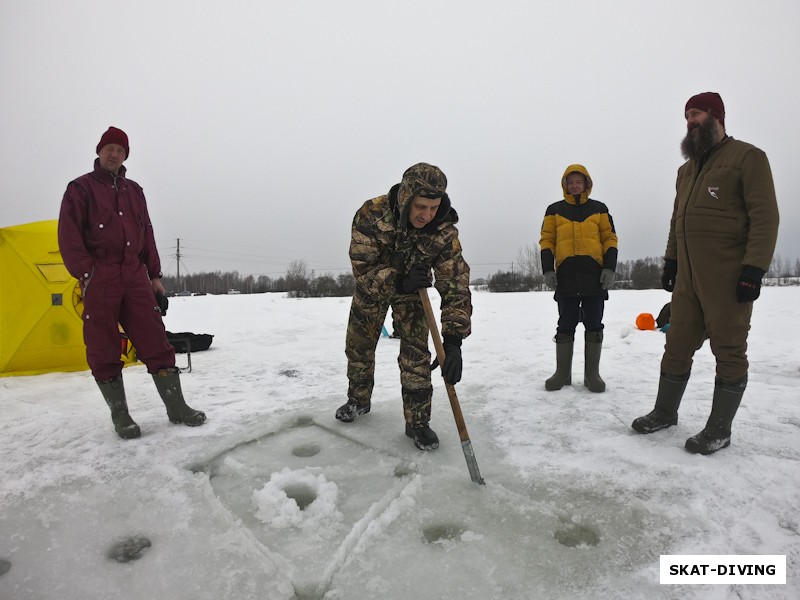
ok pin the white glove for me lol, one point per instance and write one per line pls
(607, 277)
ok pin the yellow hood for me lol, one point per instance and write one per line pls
(576, 169)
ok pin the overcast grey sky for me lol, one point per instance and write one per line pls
(257, 128)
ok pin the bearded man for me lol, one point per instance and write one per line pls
(722, 236)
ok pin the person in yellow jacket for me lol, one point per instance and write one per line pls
(579, 261)
(722, 236)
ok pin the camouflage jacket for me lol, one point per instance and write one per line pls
(382, 252)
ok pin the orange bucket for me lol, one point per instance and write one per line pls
(646, 322)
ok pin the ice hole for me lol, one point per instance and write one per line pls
(305, 508)
(573, 535)
(5, 566)
(129, 549)
(301, 494)
(306, 450)
(305, 592)
(403, 470)
(442, 532)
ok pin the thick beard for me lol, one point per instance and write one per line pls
(695, 147)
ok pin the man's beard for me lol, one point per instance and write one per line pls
(695, 146)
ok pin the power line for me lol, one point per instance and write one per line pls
(187, 250)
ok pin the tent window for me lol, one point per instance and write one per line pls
(54, 273)
(57, 299)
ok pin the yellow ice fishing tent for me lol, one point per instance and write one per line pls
(40, 305)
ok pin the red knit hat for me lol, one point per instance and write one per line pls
(708, 101)
(114, 136)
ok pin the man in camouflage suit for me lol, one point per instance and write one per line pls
(397, 239)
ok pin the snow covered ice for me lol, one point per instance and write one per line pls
(273, 499)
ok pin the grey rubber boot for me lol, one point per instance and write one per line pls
(168, 384)
(591, 367)
(113, 392)
(565, 343)
(665, 413)
(717, 433)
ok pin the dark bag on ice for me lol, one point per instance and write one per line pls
(664, 315)
(185, 340)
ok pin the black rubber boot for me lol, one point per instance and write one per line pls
(168, 384)
(717, 433)
(114, 394)
(565, 343)
(665, 413)
(591, 367)
(424, 437)
(347, 413)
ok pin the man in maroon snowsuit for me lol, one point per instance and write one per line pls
(107, 243)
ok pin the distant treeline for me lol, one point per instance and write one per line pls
(639, 274)
(524, 276)
(298, 282)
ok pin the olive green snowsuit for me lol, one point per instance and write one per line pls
(725, 216)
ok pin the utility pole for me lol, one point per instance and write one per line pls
(178, 261)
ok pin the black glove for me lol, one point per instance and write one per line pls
(451, 369)
(163, 303)
(748, 288)
(669, 274)
(419, 276)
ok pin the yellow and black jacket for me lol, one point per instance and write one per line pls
(578, 241)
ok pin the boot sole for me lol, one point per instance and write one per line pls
(350, 418)
(692, 449)
(418, 444)
(597, 390)
(188, 423)
(553, 388)
(129, 433)
(646, 430)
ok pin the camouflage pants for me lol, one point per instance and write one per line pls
(363, 331)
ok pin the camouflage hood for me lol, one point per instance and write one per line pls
(576, 169)
(421, 180)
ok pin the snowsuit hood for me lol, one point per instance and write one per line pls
(445, 214)
(585, 195)
(423, 180)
